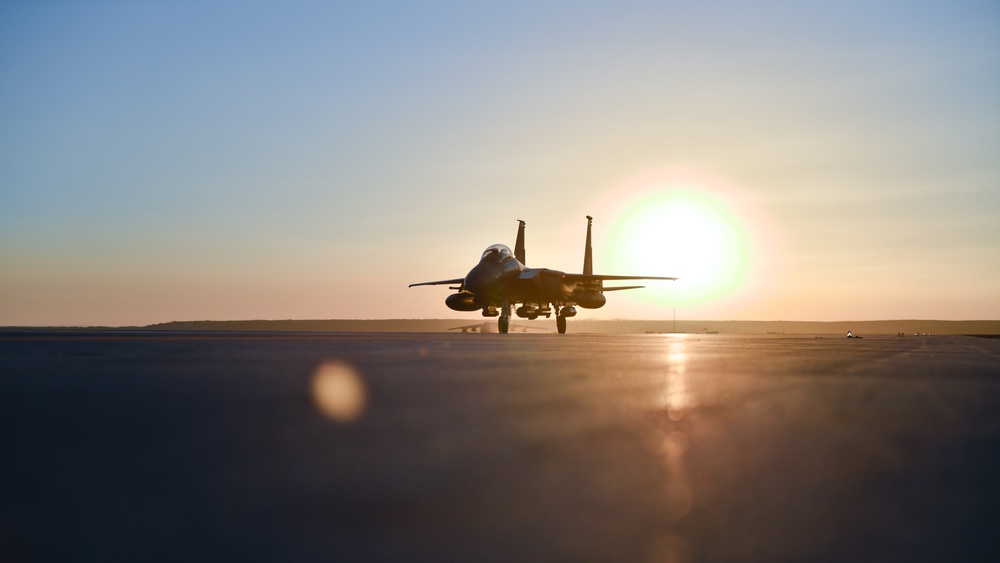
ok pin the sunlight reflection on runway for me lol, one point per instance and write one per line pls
(675, 399)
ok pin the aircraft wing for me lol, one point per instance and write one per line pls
(600, 277)
(531, 273)
(441, 282)
(572, 278)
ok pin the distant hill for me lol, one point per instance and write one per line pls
(334, 325)
(602, 326)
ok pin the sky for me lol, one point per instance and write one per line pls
(212, 160)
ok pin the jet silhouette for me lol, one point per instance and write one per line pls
(501, 281)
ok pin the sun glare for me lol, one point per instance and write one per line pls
(685, 232)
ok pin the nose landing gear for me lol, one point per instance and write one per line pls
(503, 323)
(563, 313)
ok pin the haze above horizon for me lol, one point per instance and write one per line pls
(808, 161)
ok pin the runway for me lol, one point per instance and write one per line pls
(144, 446)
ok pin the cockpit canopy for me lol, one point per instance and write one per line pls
(497, 253)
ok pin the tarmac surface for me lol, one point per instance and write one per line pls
(133, 446)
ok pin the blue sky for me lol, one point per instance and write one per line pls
(228, 160)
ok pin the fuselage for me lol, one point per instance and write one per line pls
(494, 275)
(500, 279)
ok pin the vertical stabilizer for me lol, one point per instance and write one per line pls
(519, 245)
(588, 252)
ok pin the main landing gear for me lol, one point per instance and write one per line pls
(563, 313)
(503, 312)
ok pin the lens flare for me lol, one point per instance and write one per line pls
(338, 392)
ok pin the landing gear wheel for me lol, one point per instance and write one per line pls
(503, 324)
(561, 324)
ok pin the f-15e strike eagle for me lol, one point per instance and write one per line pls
(501, 280)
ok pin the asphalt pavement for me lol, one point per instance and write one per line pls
(142, 446)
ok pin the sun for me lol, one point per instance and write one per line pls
(684, 232)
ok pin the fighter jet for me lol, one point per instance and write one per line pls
(501, 281)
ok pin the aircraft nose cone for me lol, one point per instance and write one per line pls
(481, 279)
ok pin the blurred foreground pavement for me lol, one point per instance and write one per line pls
(130, 446)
